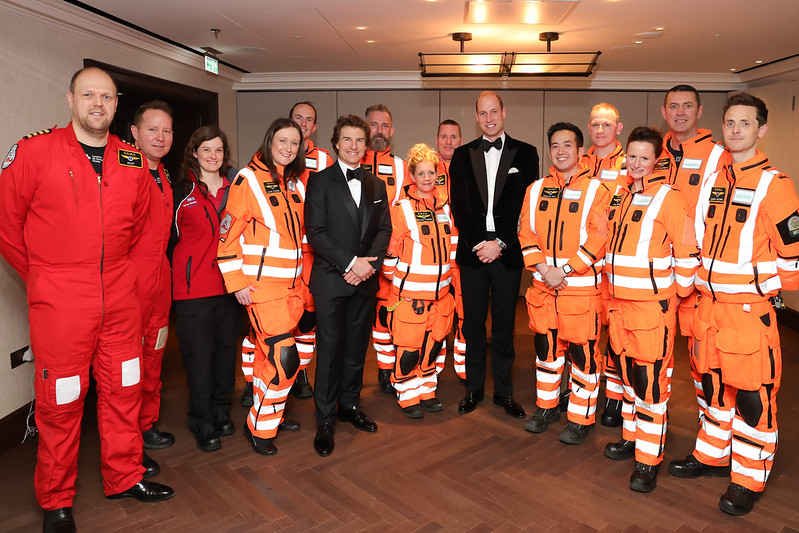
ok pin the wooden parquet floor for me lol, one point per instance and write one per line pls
(447, 472)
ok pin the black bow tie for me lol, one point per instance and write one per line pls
(497, 143)
(356, 174)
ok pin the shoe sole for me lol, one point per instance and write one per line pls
(610, 423)
(209, 448)
(637, 487)
(415, 416)
(713, 472)
(572, 439)
(158, 446)
(730, 508)
(227, 433)
(434, 409)
(368, 430)
(619, 457)
(533, 428)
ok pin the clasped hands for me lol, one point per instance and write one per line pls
(360, 271)
(554, 277)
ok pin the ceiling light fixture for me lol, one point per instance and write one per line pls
(507, 64)
(517, 11)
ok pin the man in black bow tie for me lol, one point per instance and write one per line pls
(348, 226)
(489, 178)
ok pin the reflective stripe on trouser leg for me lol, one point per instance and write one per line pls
(584, 383)
(548, 368)
(441, 359)
(754, 447)
(381, 339)
(614, 389)
(459, 350)
(248, 355)
(650, 431)
(715, 431)
(306, 342)
(276, 366)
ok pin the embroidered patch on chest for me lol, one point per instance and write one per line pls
(129, 158)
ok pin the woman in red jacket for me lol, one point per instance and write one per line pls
(208, 318)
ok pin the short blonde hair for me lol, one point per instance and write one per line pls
(419, 154)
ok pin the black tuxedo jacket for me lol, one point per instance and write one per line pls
(518, 168)
(331, 224)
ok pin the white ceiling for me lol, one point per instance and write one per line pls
(700, 36)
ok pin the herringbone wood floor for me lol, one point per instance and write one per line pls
(448, 472)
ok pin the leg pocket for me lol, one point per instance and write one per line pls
(646, 336)
(578, 321)
(538, 311)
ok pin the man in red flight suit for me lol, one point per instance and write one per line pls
(152, 131)
(747, 219)
(694, 156)
(392, 170)
(74, 203)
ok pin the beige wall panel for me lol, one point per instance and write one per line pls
(414, 114)
(257, 110)
(712, 104)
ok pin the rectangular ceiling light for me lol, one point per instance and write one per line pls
(508, 64)
(517, 11)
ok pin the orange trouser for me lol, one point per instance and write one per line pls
(566, 325)
(381, 336)
(459, 346)
(642, 333)
(738, 354)
(685, 315)
(614, 389)
(419, 327)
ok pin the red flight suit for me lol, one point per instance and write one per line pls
(69, 232)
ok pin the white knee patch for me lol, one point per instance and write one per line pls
(67, 390)
(131, 374)
(160, 342)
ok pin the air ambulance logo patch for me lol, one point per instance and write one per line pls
(271, 187)
(663, 164)
(424, 216)
(550, 192)
(224, 226)
(717, 195)
(616, 200)
(12, 154)
(441, 179)
(129, 158)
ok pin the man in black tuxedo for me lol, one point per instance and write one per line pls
(489, 178)
(348, 226)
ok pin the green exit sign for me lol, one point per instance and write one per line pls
(212, 65)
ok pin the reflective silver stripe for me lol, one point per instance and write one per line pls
(272, 272)
(658, 263)
(263, 205)
(230, 266)
(767, 286)
(425, 270)
(415, 286)
(399, 176)
(662, 282)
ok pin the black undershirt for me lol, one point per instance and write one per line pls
(157, 177)
(677, 154)
(95, 155)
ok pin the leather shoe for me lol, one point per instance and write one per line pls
(620, 451)
(289, 425)
(59, 521)
(575, 433)
(357, 418)
(223, 425)
(413, 411)
(247, 395)
(690, 468)
(470, 401)
(432, 404)
(510, 405)
(301, 387)
(151, 468)
(323, 443)
(146, 491)
(541, 419)
(738, 500)
(157, 440)
(644, 478)
(207, 439)
(384, 380)
(611, 415)
(261, 446)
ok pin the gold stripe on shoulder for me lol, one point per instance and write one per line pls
(40, 132)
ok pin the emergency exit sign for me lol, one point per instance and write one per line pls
(212, 65)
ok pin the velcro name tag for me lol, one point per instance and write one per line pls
(385, 169)
(692, 164)
(641, 199)
(572, 194)
(608, 175)
(743, 196)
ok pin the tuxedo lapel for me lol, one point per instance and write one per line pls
(343, 190)
(505, 161)
(479, 168)
(367, 202)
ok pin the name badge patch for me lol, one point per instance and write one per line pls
(271, 187)
(640, 199)
(608, 175)
(717, 195)
(442, 218)
(424, 216)
(550, 192)
(385, 169)
(743, 196)
(571, 194)
(310, 163)
(692, 164)
(129, 158)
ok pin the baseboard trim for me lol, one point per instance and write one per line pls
(12, 428)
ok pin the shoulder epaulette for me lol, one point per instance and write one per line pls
(40, 132)
(128, 143)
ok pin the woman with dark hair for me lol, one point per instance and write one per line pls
(208, 319)
(650, 262)
(260, 256)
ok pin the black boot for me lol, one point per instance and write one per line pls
(247, 395)
(611, 416)
(302, 388)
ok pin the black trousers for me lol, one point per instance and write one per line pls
(500, 285)
(208, 331)
(343, 327)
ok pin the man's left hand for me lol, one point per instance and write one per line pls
(488, 251)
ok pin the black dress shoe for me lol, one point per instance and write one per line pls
(301, 387)
(223, 425)
(690, 468)
(247, 395)
(644, 478)
(510, 405)
(261, 446)
(413, 411)
(470, 401)
(151, 468)
(289, 425)
(384, 380)
(59, 521)
(620, 451)
(575, 433)
(157, 440)
(146, 491)
(738, 500)
(541, 419)
(432, 404)
(357, 418)
(207, 439)
(611, 416)
(323, 443)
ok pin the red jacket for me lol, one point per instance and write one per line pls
(195, 238)
(58, 213)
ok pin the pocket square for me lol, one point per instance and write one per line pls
(513, 170)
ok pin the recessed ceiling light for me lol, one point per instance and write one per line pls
(638, 42)
(298, 36)
(759, 61)
(371, 41)
(732, 70)
(648, 35)
(361, 28)
(660, 28)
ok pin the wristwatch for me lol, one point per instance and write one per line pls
(567, 269)
(501, 244)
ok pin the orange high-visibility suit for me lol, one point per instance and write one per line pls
(154, 288)
(419, 265)
(261, 245)
(69, 232)
(393, 171)
(651, 258)
(564, 224)
(748, 223)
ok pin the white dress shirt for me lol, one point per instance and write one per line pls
(492, 164)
